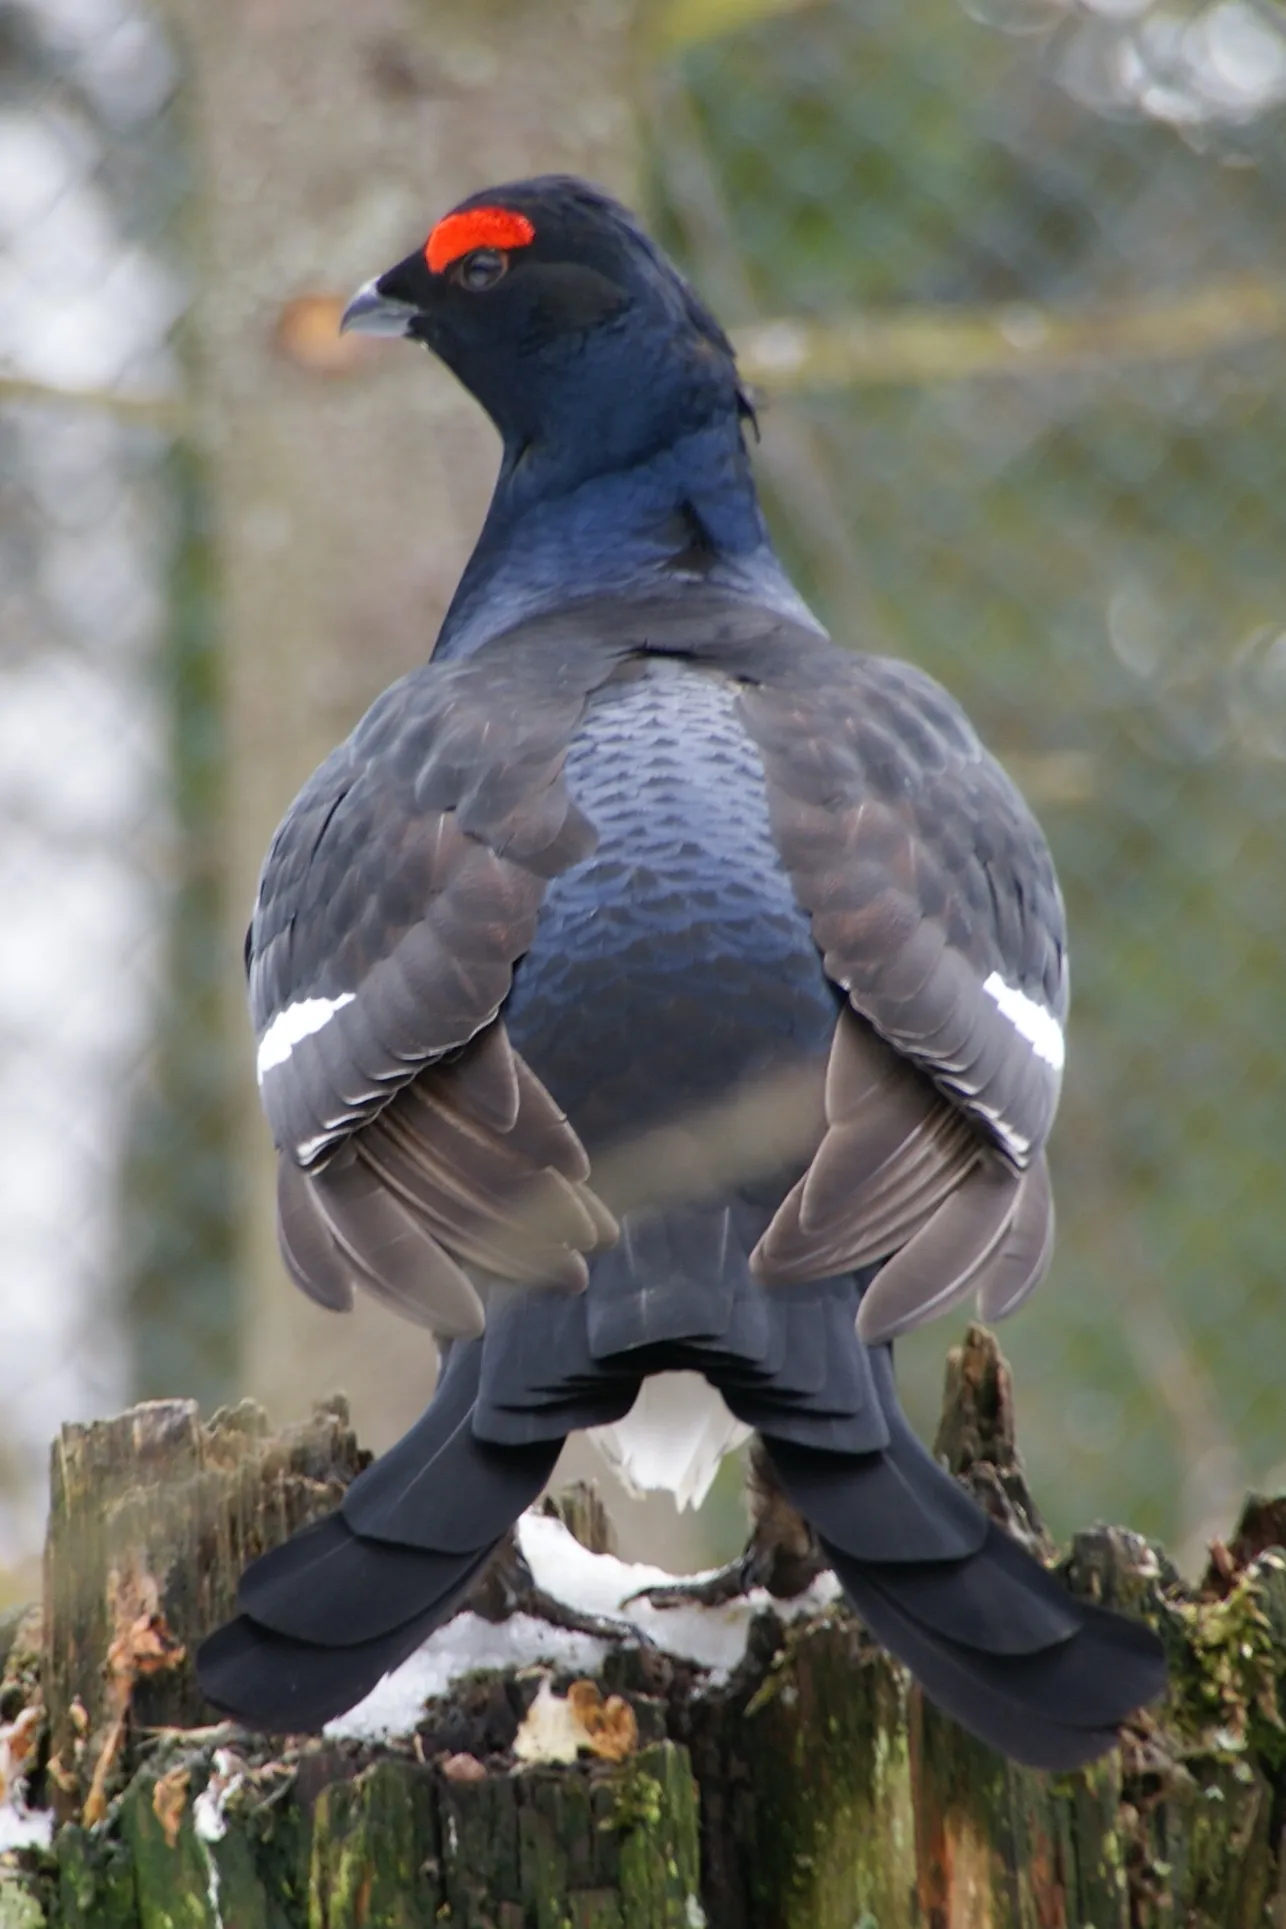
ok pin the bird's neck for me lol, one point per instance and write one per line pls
(555, 533)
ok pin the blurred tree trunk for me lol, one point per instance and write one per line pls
(347, 480)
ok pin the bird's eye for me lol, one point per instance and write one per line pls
(480, 270)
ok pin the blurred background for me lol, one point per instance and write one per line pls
(1008, 277)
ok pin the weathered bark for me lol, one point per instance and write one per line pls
(347, 480)
(812, 1790)
(152, 1516)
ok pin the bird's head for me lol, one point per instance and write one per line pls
(554, 308)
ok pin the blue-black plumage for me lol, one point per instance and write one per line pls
(663, 1005)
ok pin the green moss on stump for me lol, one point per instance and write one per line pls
(374, 1852)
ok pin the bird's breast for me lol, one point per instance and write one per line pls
(674, 961)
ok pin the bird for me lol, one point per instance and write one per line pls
(664, 1005)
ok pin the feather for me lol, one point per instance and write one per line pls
(941, 1263)
(312, 1258)
(672, 1439)
(894, 1150)
(1022, 1261)
(391, 1254)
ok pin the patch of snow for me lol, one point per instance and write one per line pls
(464, 1645)
(209, 1816)
(25, 1828)
(213, 1886)
(592, 1585)
(713, 1637)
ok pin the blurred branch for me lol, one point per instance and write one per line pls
(792, 356)
(673, 26)
(158, 411)
(924, 345)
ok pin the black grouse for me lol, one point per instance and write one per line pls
(665, 1007)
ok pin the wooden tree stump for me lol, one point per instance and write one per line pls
(152, 1516)
(811, 1789)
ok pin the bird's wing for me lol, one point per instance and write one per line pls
(934, 904)
(401, 889)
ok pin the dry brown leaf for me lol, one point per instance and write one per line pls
(145, 1647)
(142, 1643)
(307, 334)
(19, 1738)
(96, 1801)
(611, 1730)
(169, 1803)
(557, 1728)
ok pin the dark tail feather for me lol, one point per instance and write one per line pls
(1053, 1707)
(287, 1686)
(333, 1609)
(992, 1636)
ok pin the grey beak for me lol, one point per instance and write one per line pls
(371, 313)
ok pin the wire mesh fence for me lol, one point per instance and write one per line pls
(87, 302)
(1007, 278)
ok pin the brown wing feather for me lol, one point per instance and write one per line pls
(390, 1253)
(312, 1258)
(471, 1163)
(928, 886)
(894, 1150)
(1022, 1262)
(401, 889)
(945, 1259)
(484, 1082)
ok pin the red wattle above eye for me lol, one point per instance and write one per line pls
(459, 234)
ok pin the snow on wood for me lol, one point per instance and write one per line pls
(595, 1585)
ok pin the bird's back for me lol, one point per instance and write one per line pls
(673, 963)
